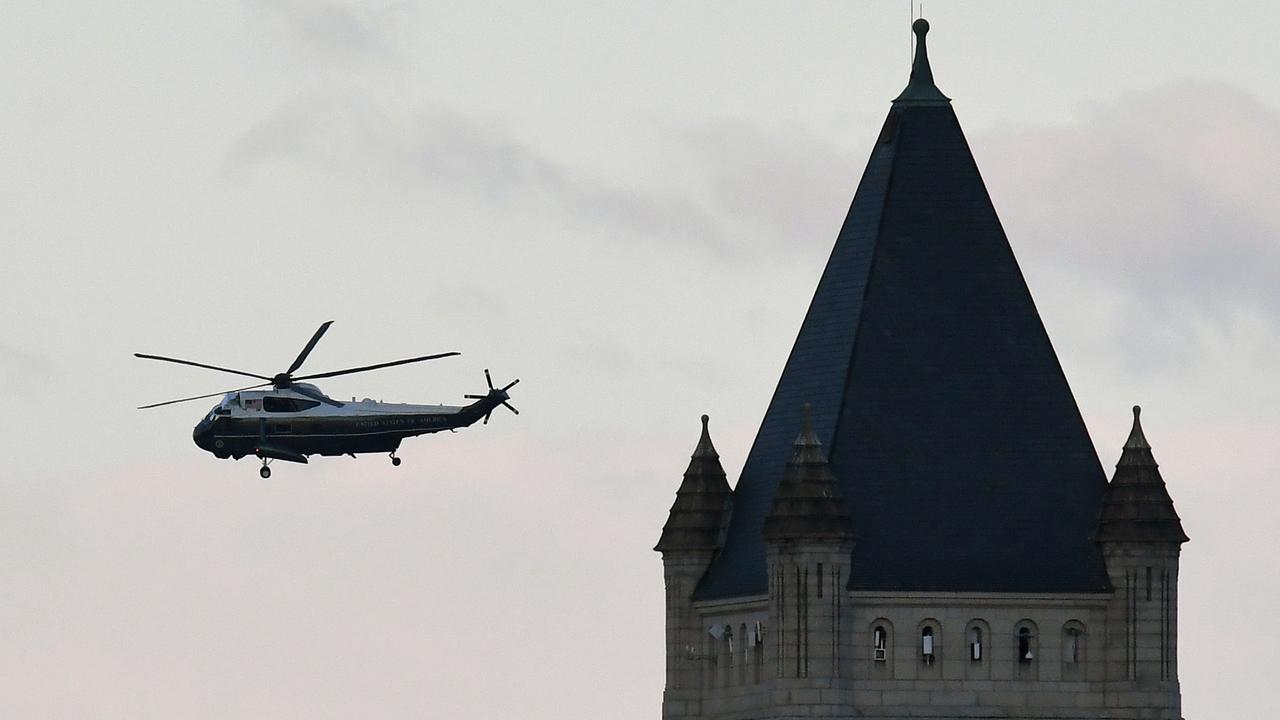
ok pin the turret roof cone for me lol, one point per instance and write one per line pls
(947, 421)
(703, 502)
(807, 505)
(1137, 506)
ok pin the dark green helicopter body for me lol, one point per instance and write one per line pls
(295, 419)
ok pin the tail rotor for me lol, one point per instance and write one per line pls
(498, 394)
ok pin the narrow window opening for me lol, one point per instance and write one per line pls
(926, 645)
(728, 643)
(757, 651)
(879, 644)
(1071, 649)
(1024, 645)
(975, 644)
(1148, 582)
(819, 579)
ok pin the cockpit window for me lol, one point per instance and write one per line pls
(271, 403)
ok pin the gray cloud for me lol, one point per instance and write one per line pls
(349, 135)
(780, 189)
(22, 371)
(1152, 220)
(335, 32)
(1166, 195)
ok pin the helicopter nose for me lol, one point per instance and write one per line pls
(203, 436)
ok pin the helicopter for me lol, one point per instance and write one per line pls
(295, 419)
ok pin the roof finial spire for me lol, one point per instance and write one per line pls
(1137, 440)
(920, 89)
(705, 449)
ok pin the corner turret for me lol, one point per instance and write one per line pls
(807, 505)
(693, 534)
(809, 541)
(1137, 506)
(1141, 537)
(699, 515)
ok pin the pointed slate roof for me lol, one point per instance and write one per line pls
(807, 505)
(955, 439)
(697, 517)
(1137, 506)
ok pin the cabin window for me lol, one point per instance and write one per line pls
(975, 644)
(880, 644)
(926, 645)
(253, 404)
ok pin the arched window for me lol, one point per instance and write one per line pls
(977, 648)
(728, 645)
(1073, 654)
(757, 651)
(880, 644)
(926, 644)
(1026, 653)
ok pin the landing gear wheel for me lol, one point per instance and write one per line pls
(265, 472)
(395, 461)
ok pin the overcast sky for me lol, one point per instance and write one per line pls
(627, 206)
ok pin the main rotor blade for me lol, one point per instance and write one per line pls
(200, 397)
(307, 350)
(379, 366)
(201, 365)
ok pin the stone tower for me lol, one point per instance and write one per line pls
(1141, 537)
(941, 539)
(809, 539)
(693, 533)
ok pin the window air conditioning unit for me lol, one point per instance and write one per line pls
(881, 655)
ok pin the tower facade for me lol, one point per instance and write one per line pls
(922, 527)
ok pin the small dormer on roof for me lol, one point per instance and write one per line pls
(701, 511)
(1137, 506)
(920, 89)
(807, 505)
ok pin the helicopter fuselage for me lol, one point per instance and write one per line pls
(284, 424)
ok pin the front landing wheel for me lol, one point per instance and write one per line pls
(265, 472)
(395, 462)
